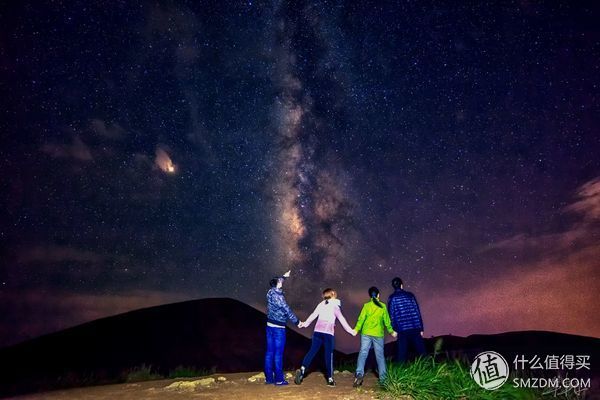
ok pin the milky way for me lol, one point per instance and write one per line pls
(159, 152)
(313, 208)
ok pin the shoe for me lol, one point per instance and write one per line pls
(299, 376)
(282, 383)
(330, 382)
(269, 383)
(358, 380)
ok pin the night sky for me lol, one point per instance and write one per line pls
(154, 152)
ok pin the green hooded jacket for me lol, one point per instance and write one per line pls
(373, 320)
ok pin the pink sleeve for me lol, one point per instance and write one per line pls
(312, 316)
(340, 316)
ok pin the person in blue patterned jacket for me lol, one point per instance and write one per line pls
(278, 313)
(406, 320)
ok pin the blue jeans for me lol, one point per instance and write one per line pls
(365, 345)
(321, 339)
(410, 337)
(274, 355)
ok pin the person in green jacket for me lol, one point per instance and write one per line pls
(372, 322)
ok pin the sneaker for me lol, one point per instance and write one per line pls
(330, 382)
(358, 380)
(282, 383)
(299, 376)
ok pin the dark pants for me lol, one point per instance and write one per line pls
(409, 338)
(321, 339)
(274, 355)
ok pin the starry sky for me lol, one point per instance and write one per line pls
(154, 152)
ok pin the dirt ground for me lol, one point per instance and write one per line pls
(236, 386)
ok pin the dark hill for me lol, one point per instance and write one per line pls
(510, 344)
(529, 343)
(221, 335)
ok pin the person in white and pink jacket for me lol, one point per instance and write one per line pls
(326, 314)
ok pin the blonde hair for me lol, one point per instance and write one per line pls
(329, 293)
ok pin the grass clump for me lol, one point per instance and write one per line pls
(426, 379)
(345, 366)
(142, 373)
(187, 372)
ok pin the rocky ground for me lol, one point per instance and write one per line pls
(220, 387)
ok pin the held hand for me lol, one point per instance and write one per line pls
(422, 334)
(354, 333)
(395, 334)
(287, 274)
(301, 325)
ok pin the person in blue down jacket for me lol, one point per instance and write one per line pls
(278, 313)
(406, 320)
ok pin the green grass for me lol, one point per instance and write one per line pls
(147, 373)
(142, 373)
(345, 366)
(426, 379)
(187, 372)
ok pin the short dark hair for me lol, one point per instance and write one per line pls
(273, 282)
(396, 283)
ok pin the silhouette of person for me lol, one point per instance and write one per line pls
(326, 313)
(278, 313)
(406, 320)
(372, 323)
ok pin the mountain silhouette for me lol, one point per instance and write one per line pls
(218, 334)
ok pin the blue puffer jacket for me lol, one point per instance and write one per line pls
(278, 311)
(404, 311)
